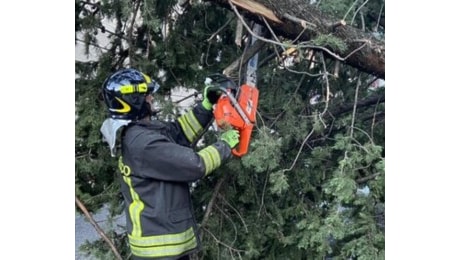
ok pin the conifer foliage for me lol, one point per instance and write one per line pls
(313, 183)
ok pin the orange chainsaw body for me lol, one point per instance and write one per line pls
(228, 114)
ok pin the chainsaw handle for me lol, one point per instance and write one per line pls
(245, 138)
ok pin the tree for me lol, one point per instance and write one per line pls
(313, 183)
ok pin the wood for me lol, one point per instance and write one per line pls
(257, 8)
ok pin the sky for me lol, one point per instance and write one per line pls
(38, 129)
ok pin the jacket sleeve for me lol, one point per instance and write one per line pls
(168, 161)
(192, 124)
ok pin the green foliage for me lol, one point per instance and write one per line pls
(279, 182)
(265, 155)
(100, 250)
(336, 8)
(331, 42)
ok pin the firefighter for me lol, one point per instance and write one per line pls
(157, 164)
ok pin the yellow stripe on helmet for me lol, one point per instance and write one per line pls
(125, 107)
(128, 89)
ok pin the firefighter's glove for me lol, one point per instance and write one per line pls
(231, 137)
(210, 96)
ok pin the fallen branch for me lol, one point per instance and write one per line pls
(98, 229)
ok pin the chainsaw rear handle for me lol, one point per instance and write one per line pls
(245, 138)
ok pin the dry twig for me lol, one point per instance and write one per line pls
(98, 229)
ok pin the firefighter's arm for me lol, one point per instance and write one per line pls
(168, 161)
(193, 122)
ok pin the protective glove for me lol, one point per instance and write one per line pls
(231, 137)
(210, 96)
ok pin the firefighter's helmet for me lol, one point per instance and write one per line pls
(124, 94)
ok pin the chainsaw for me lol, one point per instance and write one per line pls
(235, 108)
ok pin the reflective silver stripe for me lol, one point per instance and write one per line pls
(135, 208)
(190, 125)
(163, 245)
(211, 158)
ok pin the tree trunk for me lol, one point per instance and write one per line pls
(296, 19)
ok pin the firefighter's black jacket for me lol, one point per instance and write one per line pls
(156, 167)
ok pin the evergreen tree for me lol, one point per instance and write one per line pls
(312, 185)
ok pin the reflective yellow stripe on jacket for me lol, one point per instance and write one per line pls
(190, 125)
(135, 208)
(211, 158)
(163, 245)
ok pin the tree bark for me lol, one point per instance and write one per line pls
(296, 19)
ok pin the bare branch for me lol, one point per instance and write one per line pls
(378, 19)
(92, 44)
(349, 9)
(236, 211)
(273, 33)
(98, 229)
(231, 221)
(298, 153)
(326, 79)
(263, 195)
(357, 10)
(302, 22)
(358, 84)
(238, 32)
(220, 29)
(222, 243)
